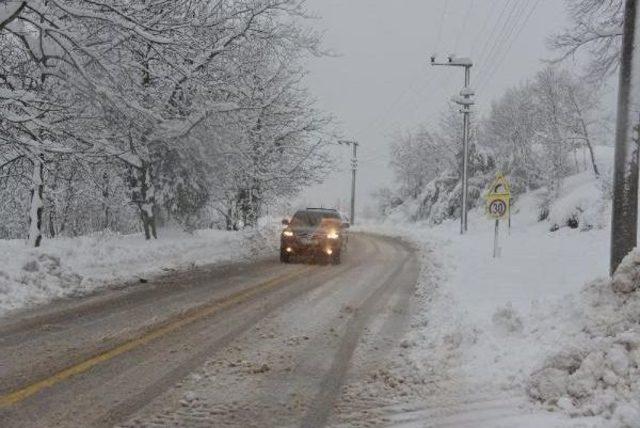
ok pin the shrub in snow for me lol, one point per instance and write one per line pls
(598, 372)
(438, 201)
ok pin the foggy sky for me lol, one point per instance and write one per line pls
(381, 81)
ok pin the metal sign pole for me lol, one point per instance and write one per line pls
(496, 250)
(509, 230)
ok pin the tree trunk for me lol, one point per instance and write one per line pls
(587, 139)
(105, 201)
(593, 158)
(148, 204)
(37, 206)
(52, 227)
(144, 196)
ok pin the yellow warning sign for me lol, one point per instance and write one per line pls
(498, 198)
(500, 187)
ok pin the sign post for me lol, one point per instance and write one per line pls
(498, 207)
(496, 247)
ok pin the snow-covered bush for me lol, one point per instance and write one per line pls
(598, 371)
(583, 207)
(439, 199)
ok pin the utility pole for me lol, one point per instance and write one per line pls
(354, 167)
(466, 101)
(624, 217)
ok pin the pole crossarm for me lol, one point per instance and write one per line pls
(454, 62)
(348, 142)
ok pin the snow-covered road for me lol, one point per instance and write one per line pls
(258, 344)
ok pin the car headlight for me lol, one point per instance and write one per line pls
(333, 235)
(287, 233)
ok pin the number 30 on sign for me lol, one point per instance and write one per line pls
(498, 208)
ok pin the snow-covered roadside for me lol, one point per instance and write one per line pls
(67, 267)
(483, 326)
(494, 324)
(536, 269)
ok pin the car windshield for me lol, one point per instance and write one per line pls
(311, 218)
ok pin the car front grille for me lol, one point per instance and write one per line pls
(311, 236)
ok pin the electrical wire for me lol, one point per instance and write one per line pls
(508, 48)
(477, 38)
(509, 23)
(508, 28)
(463, 25)
(493, 33)
(443, 17)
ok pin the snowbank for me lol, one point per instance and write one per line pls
(597, 371)
(66, 267)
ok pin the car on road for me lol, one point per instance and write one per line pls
(318, 232)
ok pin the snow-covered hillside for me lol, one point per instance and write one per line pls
(524, 321)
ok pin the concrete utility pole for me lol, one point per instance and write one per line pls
(625, 179)
(466, 101)
(354, 167)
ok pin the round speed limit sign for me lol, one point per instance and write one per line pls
(498, 208)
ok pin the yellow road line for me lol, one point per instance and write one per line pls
(27, 391)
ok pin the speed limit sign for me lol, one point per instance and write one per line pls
(498, 198)
(498, 208)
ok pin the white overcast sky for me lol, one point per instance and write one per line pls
(381, 81)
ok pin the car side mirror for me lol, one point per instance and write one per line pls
(345, 225)
(285, 222)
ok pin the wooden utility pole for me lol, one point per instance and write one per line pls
(624, 217)
(354, 168)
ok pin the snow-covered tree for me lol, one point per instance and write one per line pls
(141, 87)
(418, 157)
(532, 134)
(595, 27)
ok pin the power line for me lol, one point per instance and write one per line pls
(493, 30)
(463, 25)
(443, 17)
(417, 95)
(482, 28)
(502, 39)
(379, 121)
(417, 90)
(506, 51)
(503, 33)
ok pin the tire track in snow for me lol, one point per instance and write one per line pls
(319, 413)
